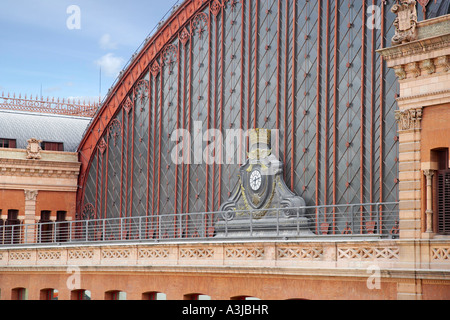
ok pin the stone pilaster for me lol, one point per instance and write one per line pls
(429, 198)
(30, 212)
(409, 172)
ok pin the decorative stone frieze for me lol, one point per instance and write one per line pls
(196, 253)
(409, 119)
(422, 68)
(245, 253)
(153, 253)
(370, 253)
(440, 254)
(294, 253)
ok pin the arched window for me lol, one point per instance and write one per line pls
(19, 294)
(80, 295)
(244, 298)
(196, 296)
(49, 294)
(115, 295)
(153, 295)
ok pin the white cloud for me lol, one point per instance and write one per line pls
(110, 64)
(106, 43)
(52, 89)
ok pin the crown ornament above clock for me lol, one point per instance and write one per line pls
(262, 204)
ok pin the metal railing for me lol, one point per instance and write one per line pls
(343, 221)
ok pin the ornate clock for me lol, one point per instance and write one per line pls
(255, 180)
(262, 193)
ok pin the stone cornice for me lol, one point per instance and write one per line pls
(29, 168)
(414, 49)
(422, 96)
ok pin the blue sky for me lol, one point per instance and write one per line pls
(37, 48)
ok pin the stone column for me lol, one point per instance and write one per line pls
(30, 214)
(409, 172)
(429, 197)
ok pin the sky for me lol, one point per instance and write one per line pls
(59, 47)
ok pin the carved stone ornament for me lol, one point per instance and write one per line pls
(409, 119)
(406, 21)
(34, 149)
(400, 72)
(428, 66)
(444, 63)
(262, 196)
(31, 195)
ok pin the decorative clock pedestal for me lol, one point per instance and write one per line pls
(262, 205)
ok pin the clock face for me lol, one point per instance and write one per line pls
(255, 180)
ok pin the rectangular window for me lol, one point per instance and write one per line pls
(46, 227)
(12, 228)
(62, 227)
(443, 191)
(52, 146)
(7, 143)
(13, 216)
(61, 216)
(443, 199)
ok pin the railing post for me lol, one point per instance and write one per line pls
(158, 224)
(139, 228)
(352, 213)
(54, 232)
(121, 228)
(70, 231)
(87, 232)
(180, 232)
(378, 220)
(104, 230)
(25, 240)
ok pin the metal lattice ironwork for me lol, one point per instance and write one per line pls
(307, 68)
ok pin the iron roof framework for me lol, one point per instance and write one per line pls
(307, 68)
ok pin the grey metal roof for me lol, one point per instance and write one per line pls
(22, 126)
